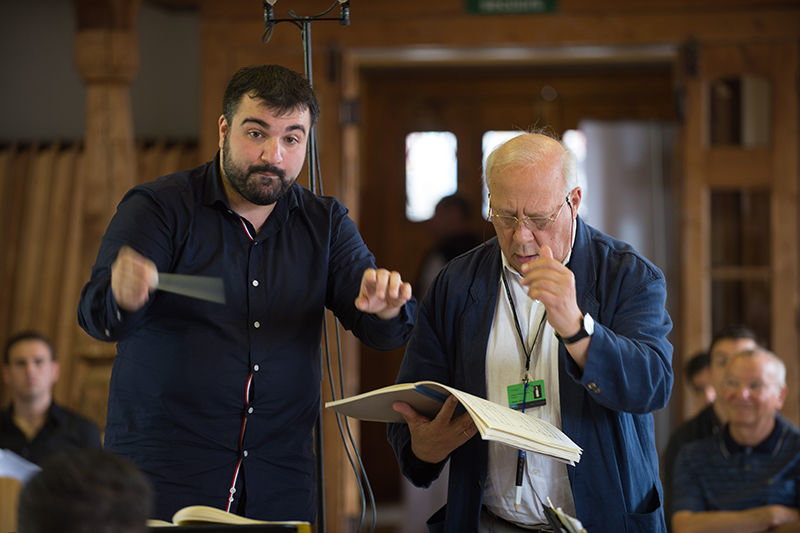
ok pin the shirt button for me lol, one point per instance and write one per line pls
(107, 332)
(119, 315)
(244, 453)
(255, 283)
(256, 324)
(250, 411)
(256, 368)
(592, 386)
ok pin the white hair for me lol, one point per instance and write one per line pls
(528, 150)
(778, 366)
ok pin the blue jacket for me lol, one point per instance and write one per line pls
(605, 408)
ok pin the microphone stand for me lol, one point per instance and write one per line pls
(314, 180)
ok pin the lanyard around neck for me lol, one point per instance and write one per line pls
(525, 350)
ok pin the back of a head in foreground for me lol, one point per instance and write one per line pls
(85, 491)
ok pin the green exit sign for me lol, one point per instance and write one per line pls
(500, 7)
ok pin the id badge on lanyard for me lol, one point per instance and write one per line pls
(527, 394)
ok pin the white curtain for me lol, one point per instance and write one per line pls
(628, 194)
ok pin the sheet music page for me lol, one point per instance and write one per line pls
(501, 418)
(494, 422)
(14, 466)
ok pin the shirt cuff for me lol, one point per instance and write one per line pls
(115, 316)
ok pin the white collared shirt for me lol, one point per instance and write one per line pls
(505, 365)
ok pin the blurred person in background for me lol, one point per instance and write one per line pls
(33, 426)
(698, 377)
(450, 226)
(83, 491)
(745, 478)
(709, 421)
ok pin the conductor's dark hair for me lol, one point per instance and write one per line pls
(27, 336)
(85, 491)
(281, 89)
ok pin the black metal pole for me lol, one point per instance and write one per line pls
(315, 185)
(312, 153)
(319, 443)
(312, 182)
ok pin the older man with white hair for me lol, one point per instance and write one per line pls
(744, 479)
(551, 305)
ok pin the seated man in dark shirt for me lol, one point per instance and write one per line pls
(746, 478)
(710, 420)
(698, 377)
(33, 426)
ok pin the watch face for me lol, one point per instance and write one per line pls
(588, 324)
(587, 329)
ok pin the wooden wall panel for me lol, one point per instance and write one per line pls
(9, 499)
(34, 221)
(784, 65)
(73, 276)
(8, 243)
(55, 241)
(413, 10)
(774, 167)
(695, 319)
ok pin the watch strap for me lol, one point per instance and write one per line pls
(581, 334)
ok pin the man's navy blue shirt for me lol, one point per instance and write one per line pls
(177, 393)
(718, 474)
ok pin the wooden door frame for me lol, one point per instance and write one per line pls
(774, 166)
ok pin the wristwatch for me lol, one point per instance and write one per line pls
(587, 328)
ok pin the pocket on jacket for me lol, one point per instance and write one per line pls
(650, 518)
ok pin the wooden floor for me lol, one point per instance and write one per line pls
(389, 520)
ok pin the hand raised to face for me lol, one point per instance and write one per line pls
(553, 284)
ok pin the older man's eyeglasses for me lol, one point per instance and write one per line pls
(507, 222)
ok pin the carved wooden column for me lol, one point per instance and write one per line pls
(106, 52)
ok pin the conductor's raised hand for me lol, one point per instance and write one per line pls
(133, 278)
(382, 293)
(433, 440)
